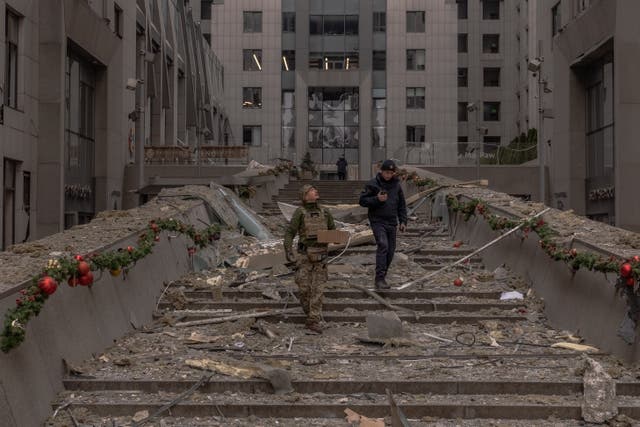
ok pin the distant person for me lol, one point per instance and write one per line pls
(311, 263)
(342, 168)
(384, 198)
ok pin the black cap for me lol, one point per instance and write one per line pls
(388, 165)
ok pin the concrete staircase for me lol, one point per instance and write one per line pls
(331, 192)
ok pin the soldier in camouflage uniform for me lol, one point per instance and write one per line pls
(311, 263)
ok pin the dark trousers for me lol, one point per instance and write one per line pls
(342, 176)
(385, 236)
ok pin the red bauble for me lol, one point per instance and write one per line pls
(573, 252)
(457, 244)
(626, 269)
(73, 281)
(47, 284)
(630, 281)
(636, 258)
(191, 251)
(129, 249)
(83, 268)
(78, 258)
(86, 279)
(157, 238)
(458, 281)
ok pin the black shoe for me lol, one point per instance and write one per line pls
(382, 284)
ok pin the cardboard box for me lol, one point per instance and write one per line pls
(333, 236)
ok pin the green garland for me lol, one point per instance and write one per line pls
(78, 270)
(574, 258)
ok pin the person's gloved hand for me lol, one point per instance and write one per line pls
(402, 227)
(290, 256)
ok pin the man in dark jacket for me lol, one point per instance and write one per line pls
(384, 198)
(342, 168)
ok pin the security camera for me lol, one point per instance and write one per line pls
(534, 65)
(132, 84)
(471, 106)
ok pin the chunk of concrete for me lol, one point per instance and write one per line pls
(599, 403)
(387, 325)
(280, 380)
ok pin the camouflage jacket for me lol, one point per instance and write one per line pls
(297, 226)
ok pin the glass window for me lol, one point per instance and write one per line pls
(490, 9)
(463, 77)
(415, 22)
(205, 9)
(288, 22)
(315, 24)
(351, 25)
(252, 22)
(491, 77)
(352, 61)
(490, 43)
(334, 61)
(463, 9)
(379, 60)
(252, 136)
(333, 25)
(491, 111)
(333, 118)
(288, 99)
(288, 119)
(463, 43)
(415, 59)
(252, 59)
(379, 22)
(415, 134)
(463, 113)
(288, 60)
(415, 97)
(251, 97)
(12, 22)
(316, 60)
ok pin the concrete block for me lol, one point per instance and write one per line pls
(387, 325)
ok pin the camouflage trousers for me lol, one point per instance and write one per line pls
(310, 278)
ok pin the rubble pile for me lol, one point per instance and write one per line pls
(228, 347)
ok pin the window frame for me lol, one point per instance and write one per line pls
(249, 97)
(486, 70)
(415, 101)
(463, 42)
(250, 18)
(487, 45)
(11, 68)
(417, 65)
(379, 22)
(288, 24)
(257, 61)
(491, 116)
(487, 10)
(290, 60)
(463, 73)
(250, 128)
(414, 128)
(416, 21)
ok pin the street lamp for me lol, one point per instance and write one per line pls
(535, 66)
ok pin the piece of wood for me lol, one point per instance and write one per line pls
(382, 300)
(236, 317)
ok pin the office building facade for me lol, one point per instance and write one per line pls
(89, 88)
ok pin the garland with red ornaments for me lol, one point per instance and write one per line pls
(628, 270)
(78, 271)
